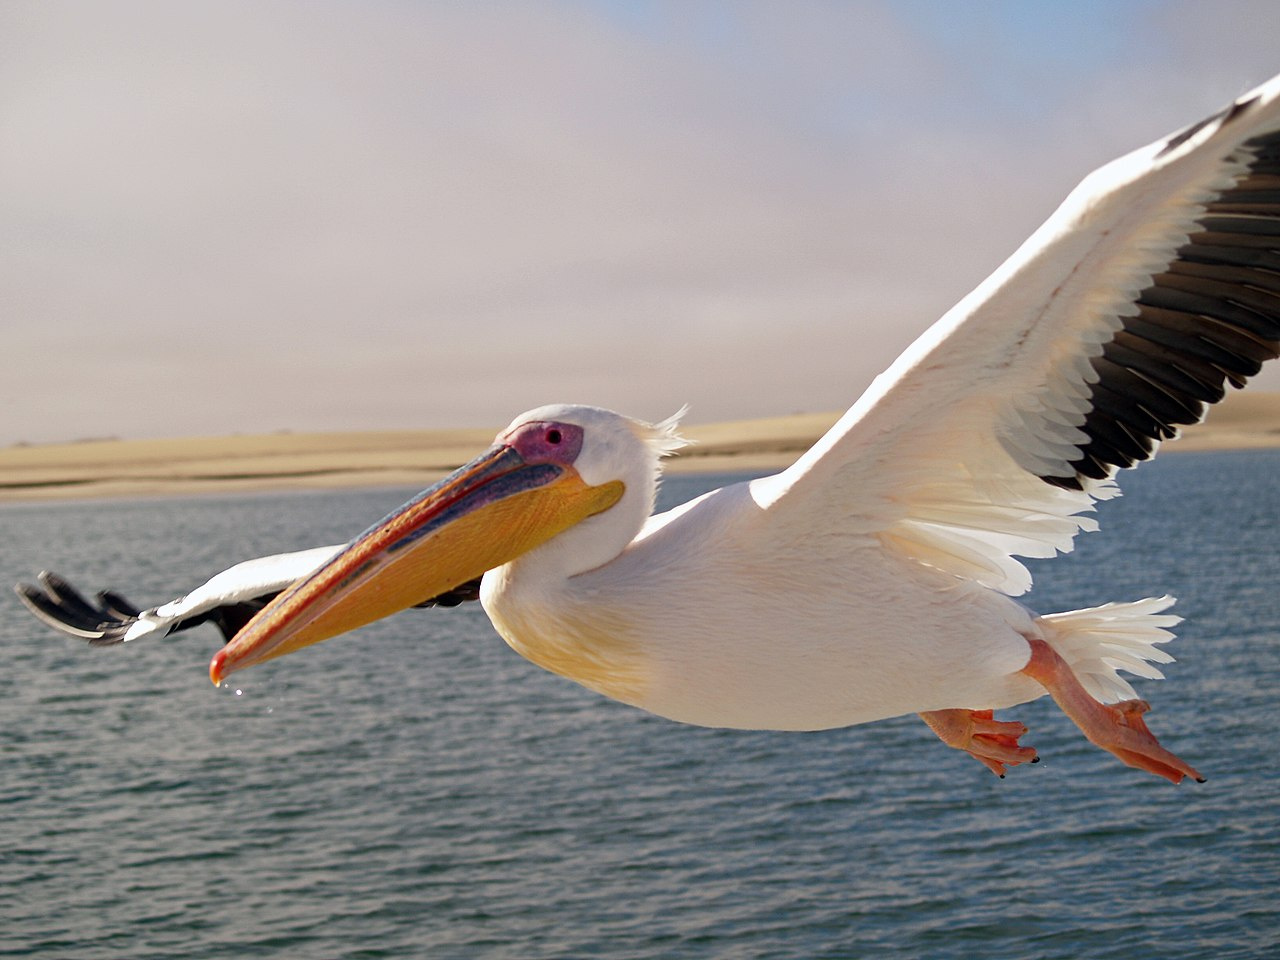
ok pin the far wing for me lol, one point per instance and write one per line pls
(229, 600)
(1155, 283)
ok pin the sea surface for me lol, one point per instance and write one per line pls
(418, 790)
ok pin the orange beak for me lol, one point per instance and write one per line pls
(488, 512)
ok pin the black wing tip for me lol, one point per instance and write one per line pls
(1208, 321)
(57, 604)
(117, 605)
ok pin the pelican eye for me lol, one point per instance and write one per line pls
(546, 440)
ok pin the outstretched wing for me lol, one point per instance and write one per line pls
(229, 600)
(1155, 283)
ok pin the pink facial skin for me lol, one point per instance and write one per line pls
(545, 441)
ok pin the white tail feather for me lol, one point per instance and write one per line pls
(1097, 642)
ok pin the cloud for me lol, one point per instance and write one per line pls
(221, 217)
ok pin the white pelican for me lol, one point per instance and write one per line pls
(875, 577)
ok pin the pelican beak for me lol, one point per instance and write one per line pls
(488, 512)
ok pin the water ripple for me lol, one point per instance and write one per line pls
(440, 797)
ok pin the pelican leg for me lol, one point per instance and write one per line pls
(993, 743)
(1117, 727)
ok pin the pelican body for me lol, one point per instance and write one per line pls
(878, 575)
(701, 618)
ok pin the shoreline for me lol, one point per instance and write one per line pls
(104, 469)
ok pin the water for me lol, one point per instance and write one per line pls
(418, 790)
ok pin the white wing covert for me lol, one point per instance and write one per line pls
(1154, 284)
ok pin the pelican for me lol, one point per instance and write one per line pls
(877, 575)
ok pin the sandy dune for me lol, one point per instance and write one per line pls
(105, 468)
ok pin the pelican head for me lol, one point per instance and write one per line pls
(553, 469)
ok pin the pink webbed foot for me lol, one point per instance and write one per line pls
(993, 743)
(1116, 727)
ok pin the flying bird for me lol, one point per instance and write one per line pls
(877, 575)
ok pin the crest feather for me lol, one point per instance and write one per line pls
(664, 436)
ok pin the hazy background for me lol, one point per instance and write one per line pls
(241, 217)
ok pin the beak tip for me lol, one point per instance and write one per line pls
(216, 667)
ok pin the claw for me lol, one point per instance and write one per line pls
(1117, 727)
(993, 743)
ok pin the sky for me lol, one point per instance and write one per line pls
(245, 217)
